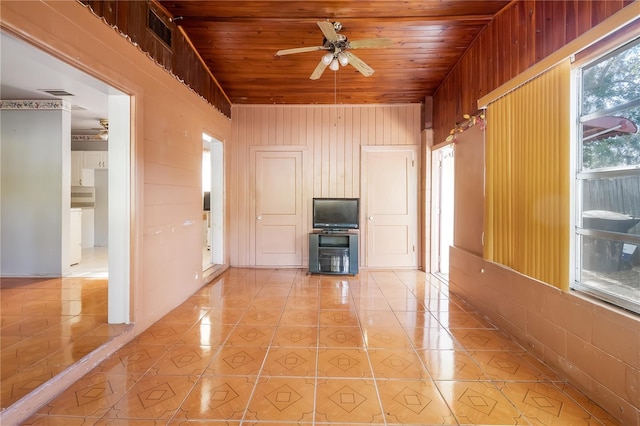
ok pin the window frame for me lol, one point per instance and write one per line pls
(581, 176)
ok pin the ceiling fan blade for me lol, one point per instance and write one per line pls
(299, 50)
(327, 29)
(317, 73)
(370, 42)
(360, 65)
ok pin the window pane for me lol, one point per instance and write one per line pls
(612, 140)
(611, 268)
(612, 82)
(615, 195)
(608, 203)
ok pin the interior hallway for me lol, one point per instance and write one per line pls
(268, 346)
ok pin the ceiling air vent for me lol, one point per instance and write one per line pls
(159, 28)
(56, 92)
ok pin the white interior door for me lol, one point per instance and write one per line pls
(213, 184)
(442, 208)
(278, 207)
(390, 199)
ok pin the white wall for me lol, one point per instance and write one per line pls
(35, 196)
(101, 212)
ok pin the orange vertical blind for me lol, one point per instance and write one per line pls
(527, 178)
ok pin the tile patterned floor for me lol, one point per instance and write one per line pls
(280, 347)
(46, 326)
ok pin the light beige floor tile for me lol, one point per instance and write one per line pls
(375, 303)
(205, 333)
(261, 317)
(451, 365)
(505, 365)
(251, 335)
(223, 316)
(75, 351)
(182, 422)
(27, 326)
(479, 403)
(430, 338)
(185, 314)
(184, 360)
(251, 346)
(344, 362)
(133, 358)
(297, 316)
(483, 340)
(153, 397)
(415, 402)
(406, 304)
(461, 319)
(340, 337)
(378, 318)
(23, 381)
(31, 350)
(378, 337)
(235, 301)
(286, 361)
(545, 404)
(338, 318)
(412, 320)
(217, 398)
(271, 303)
(302, 336)
(594, 409)
(397, 364)
(345, 401)
(282, 400)
(8, 341)
(47, 420)
(163, 333)
(92, 396)
(237, 361)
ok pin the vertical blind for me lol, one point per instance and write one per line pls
(527, 204)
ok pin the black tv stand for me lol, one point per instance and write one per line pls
(333, 252)
(334, 231)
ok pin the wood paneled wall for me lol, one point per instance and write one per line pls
(333, 136)
(166, 159)
(130, 17)
(520, 36)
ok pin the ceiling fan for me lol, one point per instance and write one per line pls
(338, 46)
(103, 130)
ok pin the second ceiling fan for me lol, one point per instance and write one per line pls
(338, 46)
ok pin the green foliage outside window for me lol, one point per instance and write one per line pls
(613, 85)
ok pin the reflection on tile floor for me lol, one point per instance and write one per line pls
(48, 324)
(277, 347)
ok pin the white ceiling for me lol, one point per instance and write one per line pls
(25, 71)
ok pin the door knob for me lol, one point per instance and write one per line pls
(370, 217)
(259, 217)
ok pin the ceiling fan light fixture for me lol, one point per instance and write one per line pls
(343, 59)
(335, 65)
(327, 58)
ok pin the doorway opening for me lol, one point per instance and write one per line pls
(81, 297)
(442, 209)
(212, 201)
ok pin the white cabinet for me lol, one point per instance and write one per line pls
(95, 159)
(82, 165)
(88, 240)
(75, 237)
(76, 168)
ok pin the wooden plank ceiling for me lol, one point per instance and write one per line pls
(238, 40)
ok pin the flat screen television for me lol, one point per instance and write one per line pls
(334, 214)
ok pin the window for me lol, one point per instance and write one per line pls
(607, 183)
